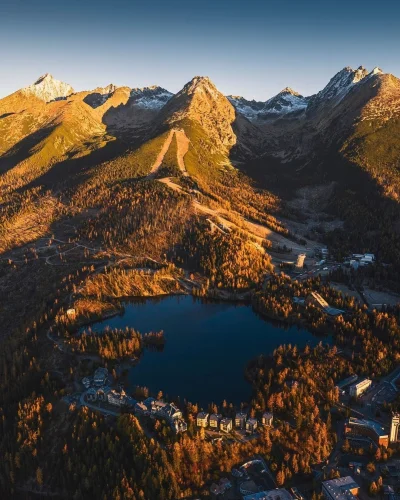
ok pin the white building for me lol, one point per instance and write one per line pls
(179, 425)
(300, 260)
(226, 425)
(395, 428)
(359, 388)
(343, 488)
(202, 419)
(277, 494)
(215, 420)
(267, 418)
(251, 425)
(240, 420)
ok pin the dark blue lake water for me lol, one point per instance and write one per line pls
(207, 345)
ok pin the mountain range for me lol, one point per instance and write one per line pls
(341, 145)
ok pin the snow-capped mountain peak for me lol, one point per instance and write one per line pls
(376, 71)
(153, 97)
(48, 88)
(287, 101)
(340, 85)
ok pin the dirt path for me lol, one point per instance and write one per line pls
(256, 231)
(161, 154)
(183, 147)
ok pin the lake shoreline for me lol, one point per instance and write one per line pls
(208, 345)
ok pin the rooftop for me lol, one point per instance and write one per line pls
(215, 416)
(226, 421)
(241, 414)
(340, 487)
(361, 382)
(277, 494)
(380, 431)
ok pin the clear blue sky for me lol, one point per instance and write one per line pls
(252, 48)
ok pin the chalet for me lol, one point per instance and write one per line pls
(240, 420)
(251, 425)
(179, 425)
(202, 419)
(215, 420)
(267, 418)
(226, 425)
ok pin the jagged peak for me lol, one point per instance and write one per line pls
(340, 84)
(376, 71)
(108, 89)
(48, 88)
(348, 75)
(46, 76)
(153, 97)
(200, 84)
(289, 90)
(151, 89)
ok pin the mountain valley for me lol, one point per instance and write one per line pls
(120, 193)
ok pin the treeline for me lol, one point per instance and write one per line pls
(115, 344)
(226, 259)
(285, 383)
(373, 338)
(371, 225)
(120, 282)
(142, 218)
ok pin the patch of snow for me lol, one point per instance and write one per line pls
(49, 89)
(153, 97)
(286, 102)
(339, 86)
(376, 71)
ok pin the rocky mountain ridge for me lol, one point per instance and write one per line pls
(288, 128)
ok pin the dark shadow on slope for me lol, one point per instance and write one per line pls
(72, 172)
(23, 149)
(4, 115)
(128, 122)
